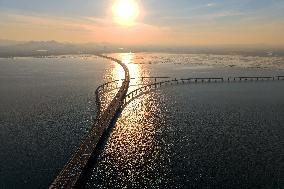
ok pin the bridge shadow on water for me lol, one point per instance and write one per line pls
(87, 171)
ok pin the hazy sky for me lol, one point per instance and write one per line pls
(169, 22)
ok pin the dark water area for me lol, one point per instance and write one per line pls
(223, 135)
(46, 107)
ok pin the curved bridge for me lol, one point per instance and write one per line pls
(149, 87)
(144, 88)
(71, 172)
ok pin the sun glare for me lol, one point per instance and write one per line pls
(125, 12)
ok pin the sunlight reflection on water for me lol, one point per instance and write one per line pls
(135, 70)
(133, 145)
(186, 137)
(117, 73)
(129, 156)
(178, 137)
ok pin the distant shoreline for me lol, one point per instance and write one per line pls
(46, 54)
(190, 61)
(53, 48)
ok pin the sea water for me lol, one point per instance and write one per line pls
(180, 136)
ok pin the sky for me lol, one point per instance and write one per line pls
(160, 22)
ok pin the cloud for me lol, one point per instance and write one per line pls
(202, 27)
(79, 30)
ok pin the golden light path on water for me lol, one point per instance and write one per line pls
(132, 149)
(134, 69)
(132, 141)
(116, 72)
(137, 71)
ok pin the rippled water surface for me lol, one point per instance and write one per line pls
(197, 136)
(202, 135)
(46, 107)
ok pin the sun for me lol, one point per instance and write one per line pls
(125, 12)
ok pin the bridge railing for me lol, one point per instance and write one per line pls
(146, 88)
(112, 85)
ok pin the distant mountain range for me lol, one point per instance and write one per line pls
(44, 48)
(10, 48)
